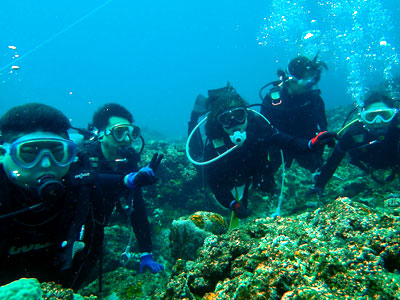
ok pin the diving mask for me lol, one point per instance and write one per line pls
(28, 152)
(308, 81)
(232, 117)
(120, 131)
(377, 116)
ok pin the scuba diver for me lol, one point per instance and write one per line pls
(372, 141)
(235, 152)
(45, 226)
(112, 154)
(294, 106)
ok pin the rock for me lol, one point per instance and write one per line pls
(24, 288)
(188, 233)
(343, 248)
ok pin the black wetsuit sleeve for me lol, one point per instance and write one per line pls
(140, 222)
(288, 142)
(321, 114)
(330, 166)
(109, 180)
(222, 193)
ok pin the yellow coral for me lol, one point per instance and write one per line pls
(198, 220)
(217, 218)
(210, 296)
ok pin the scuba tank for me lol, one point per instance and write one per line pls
(275, 92)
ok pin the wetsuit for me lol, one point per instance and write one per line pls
(249, 163)
(369, 151)
(301, 116)
(108, 196)
(39, 242)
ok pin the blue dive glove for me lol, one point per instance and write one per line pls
(147, 261)
(145, 176)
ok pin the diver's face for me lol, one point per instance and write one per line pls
(108, 140)
(378, 116)
(239, 127)
(45, 166)
(233, 119)
(300, 86)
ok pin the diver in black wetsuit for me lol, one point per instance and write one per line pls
(295, 107)
(236, 149)
(372, 141)
(113, 154)
(45, 222)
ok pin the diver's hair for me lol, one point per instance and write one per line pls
(300, 64)
(32, 117)
(374, 97)
(224, 101)
(104, 113)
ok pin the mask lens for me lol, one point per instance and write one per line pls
(29, 153)
(134, 132)
(232, 117)
(239, 115)
(119, 132)
(386, 115)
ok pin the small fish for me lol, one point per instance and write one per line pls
(12, 47)
(14, 68)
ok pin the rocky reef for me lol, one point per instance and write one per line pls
(344, 245)
(344, 250)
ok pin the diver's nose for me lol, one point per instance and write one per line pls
(45, 162)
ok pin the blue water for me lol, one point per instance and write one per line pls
(154, 57)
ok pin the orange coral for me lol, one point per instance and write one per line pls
(217, 218)
(198, 220)
(210, 296)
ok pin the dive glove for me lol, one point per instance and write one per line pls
(145, 176)
(147, 261)
(321, 139)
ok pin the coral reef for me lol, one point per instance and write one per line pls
(53, 291)
(188, 233)
(24, 288)
(344, 250)
(31, 289)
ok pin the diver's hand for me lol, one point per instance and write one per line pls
(147, 262)
(240, 211)
(145, 176)
(321, 139)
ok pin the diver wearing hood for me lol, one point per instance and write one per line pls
(43, 207)
(294, 106)
(236, 153)
(372, 141)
